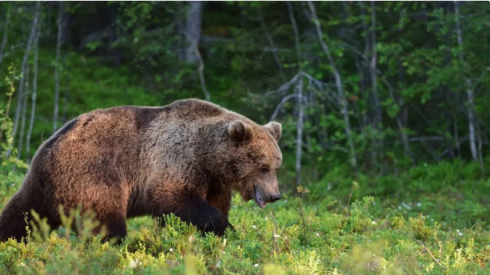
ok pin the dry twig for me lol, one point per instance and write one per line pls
(430, 253)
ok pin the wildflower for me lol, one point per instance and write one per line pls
(419, 204)
(256, 265)
(373, 222)
(171, 250)
(134, 263)
(255, 227)
(277, 236)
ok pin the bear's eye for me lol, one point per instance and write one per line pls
(264, 170)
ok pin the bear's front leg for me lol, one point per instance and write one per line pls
(221, 200)
(192, 209)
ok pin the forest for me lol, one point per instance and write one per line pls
(386, 141)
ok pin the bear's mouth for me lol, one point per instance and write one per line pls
(259, 199)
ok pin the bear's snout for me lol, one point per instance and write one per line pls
(275, 197)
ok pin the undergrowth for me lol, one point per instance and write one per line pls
(314, 235)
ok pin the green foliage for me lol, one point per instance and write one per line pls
(9, 180)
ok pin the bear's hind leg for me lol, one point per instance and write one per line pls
(13, 220)
(115, 226)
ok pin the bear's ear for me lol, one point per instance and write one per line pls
(239, 131)
(275, 128)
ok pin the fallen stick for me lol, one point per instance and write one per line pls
(430, 253)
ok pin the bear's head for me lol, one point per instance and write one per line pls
(255, 159)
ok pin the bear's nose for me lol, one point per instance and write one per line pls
(275, 197)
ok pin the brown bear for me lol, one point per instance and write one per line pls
(184, 158)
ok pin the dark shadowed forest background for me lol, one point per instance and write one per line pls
(386, 99)
(375, 85)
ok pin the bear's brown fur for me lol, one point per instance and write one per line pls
(184, 158)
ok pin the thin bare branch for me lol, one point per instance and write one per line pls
(200, 69)
(284, 87)
(272, 45)
(279, 106)
(430, 253)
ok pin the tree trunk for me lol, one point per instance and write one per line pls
(469, 89)
(400, 121)
(296, 32)
(193, 30)
(363, 119)
(299, 128)
(5, 36)
(180, 31)
(56, 68)
(23, 68)
(338, 84)
(365, 75)
(34, 95)
(67, 91)
(373, 65)
(23, 119)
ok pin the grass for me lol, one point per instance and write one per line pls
(437, 228)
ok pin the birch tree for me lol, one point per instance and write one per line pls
(469, 88)
(338, 84)
(20, 94)
(57, 67)
(34, 97)
(298, 91)
(5, 35)
(193, 30)
(299, 97)
(373, 72)
(23, 119)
